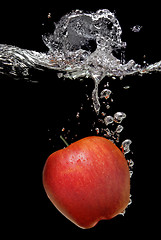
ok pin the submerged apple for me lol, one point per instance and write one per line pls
(88, 181)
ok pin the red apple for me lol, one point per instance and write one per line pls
(88, 181)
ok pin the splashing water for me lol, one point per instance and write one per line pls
(82, 45)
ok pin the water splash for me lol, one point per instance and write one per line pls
(81, 46)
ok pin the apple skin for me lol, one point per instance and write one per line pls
(88, 181)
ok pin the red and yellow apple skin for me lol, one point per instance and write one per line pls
(88, 181)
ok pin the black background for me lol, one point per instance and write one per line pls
(31, 113)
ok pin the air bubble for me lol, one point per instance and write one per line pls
(119, 129)
(131, 173)
(130, 163)
(123, 212)
(105, 93)
(107, 106)
(97, 130)
(136, 28)
(126, 87)
(119, 116)
(126, 146)
(108, 120)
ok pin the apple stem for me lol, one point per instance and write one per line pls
(61, 137)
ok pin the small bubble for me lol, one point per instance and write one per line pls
(81, 108)
(130, 200)
(103, 114)
(97, 130)
(59, 75)
(126, 87)
(77, 115)
(130, 163)
(49, 15)
(136, 28)
(107, 106)
(131, 173)
(123, 212)
(87, 97)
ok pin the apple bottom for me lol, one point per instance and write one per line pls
(85, 201)
(88, 217)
